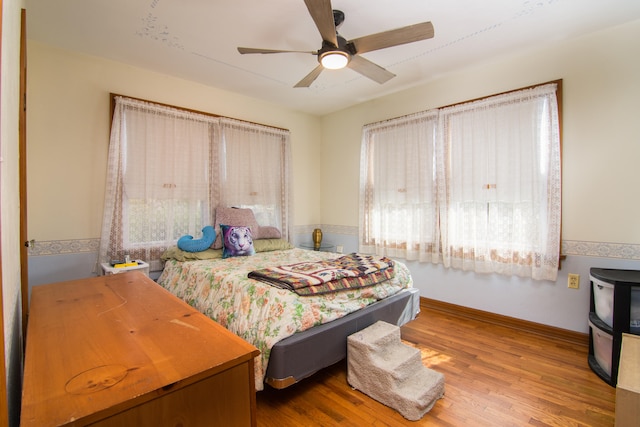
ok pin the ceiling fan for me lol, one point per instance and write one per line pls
(336, 52)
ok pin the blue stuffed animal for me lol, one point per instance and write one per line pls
(188, 244)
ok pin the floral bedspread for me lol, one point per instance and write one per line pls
(262, 314)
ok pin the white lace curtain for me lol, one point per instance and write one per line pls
(493, 176)
(254, 171)
(169, 168)
(398, 206)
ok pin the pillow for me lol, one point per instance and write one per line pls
(187, 243)
(268, 233)
(233, 216)
(237, 241)
(268, 245)
(263, 245)
(179, 255)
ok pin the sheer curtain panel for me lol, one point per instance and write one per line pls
(502, 207)
(158, 179)
(254, 171)
(398, 211)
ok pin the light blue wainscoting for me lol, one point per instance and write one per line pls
(545, 302)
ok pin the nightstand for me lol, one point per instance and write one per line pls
(142, 266)
(324, 247)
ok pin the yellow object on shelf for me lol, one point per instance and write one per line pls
(126, 264)
(138, 265)
(317, 239)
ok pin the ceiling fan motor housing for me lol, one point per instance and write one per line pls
(343, 51)
(343, 46)
(338, 17)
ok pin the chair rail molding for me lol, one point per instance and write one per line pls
(569, 247)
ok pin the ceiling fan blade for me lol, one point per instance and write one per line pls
(245, 50)
(409, 34)
(322, 14)
(309, 78)
(370, 69)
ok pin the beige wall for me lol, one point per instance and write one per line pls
(68, 136)
(601, 86)
(68, 126)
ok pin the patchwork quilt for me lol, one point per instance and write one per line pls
(325, 276)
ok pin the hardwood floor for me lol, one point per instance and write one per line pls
(494, 376)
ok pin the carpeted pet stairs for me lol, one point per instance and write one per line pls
(392, 373)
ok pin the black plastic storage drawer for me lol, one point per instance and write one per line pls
(614, 310)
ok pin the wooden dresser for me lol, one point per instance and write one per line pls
(120, 350)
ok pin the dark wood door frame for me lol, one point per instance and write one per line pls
(24, 255)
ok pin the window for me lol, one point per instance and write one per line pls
(489, 191)
(165, 175)
(254, 166)
(169, 168)
(399, 203)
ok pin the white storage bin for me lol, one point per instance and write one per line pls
(602, 348)
(603, 301)
(635, 311)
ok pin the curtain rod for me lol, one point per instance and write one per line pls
(558, 82)
(113, 106)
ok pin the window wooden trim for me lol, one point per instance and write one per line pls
(112, 108)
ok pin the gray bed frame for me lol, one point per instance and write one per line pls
(304, 353)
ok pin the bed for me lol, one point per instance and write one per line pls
(296, 335)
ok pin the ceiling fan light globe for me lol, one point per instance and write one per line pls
(334, 60)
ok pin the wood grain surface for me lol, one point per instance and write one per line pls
(101, 346)
(494, 376)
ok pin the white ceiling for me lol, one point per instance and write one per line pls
(197, 39)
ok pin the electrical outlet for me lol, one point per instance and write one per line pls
(574, 281)
(339, 249)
